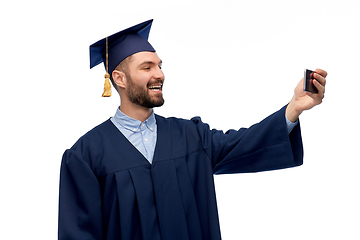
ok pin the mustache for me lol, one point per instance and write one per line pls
(159, 81)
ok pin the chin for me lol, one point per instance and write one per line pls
(153, 104)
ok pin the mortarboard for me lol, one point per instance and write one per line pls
(113, 49)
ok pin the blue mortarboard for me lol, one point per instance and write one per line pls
(114, 49)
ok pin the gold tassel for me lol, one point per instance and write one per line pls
(107, 85)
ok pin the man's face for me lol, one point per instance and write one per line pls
(145, 80)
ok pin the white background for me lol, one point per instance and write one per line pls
(230, 62)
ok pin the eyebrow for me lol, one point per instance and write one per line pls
(150, 62)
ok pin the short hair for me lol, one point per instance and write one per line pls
(122, 67)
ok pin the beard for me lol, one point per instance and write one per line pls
(140, 95)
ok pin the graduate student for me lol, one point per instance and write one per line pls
(140, 176)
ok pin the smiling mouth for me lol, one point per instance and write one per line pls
(157, 87)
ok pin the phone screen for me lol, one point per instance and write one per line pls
(308, 85)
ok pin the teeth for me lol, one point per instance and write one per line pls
(155, 87)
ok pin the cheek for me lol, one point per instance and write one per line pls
(141, 79)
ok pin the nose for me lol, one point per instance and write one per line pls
(159, 74)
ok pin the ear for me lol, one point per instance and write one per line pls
(119, 78)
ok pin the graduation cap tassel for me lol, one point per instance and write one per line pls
(107, 85)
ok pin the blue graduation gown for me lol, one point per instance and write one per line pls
(108, 190)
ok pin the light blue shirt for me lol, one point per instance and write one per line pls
(143, 135)
(290, 125)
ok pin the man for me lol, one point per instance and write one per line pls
(141, 176)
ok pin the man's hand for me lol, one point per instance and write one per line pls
(302, 101)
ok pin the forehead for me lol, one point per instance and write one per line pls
(141, 57)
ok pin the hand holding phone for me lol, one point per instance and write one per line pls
(308, 81)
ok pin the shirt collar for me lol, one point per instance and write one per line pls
(135, 125)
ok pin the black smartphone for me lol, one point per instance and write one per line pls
(308, 81)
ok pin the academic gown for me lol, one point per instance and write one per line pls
(108, 190)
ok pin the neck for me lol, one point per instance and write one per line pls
(136, 112)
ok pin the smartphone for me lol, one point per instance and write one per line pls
(308, 79)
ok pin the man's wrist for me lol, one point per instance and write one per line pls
(291, 112)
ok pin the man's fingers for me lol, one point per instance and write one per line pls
(321, 72)
(320, 78)
(319, 87)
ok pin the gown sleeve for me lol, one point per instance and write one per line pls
(80, 214)
(264, 146)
